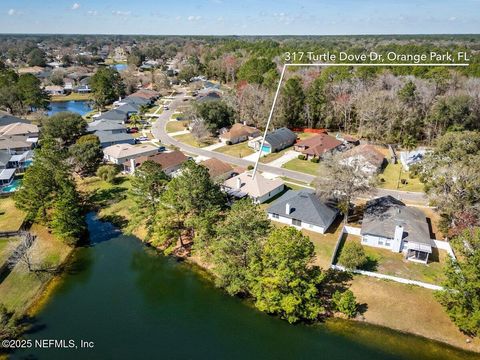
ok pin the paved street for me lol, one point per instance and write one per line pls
(160, 133)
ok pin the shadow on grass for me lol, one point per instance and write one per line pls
(370, 265)
(103, 197)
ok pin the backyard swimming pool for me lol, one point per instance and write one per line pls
(14, 186)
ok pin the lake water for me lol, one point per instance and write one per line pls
(136, 304)
(80, 107)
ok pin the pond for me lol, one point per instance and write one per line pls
(133, 303)
(80, 107)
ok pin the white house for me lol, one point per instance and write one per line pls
(302, 210)
(122, 153)
(408, 158)
(390, 224)
(259, 189)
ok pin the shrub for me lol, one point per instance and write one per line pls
(404, 181)
(382, 180)
(345, 303)
(250, 167)
(107, 173)
(315, 160)
(228, 142)
(302, 157)
(353, 256)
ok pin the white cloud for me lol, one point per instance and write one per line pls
(92, 12)
(453, 18)
(75, 6)
(194, 18)
(121, 13)
(13, 12)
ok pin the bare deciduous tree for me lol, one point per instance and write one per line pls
(342, 182)
(20, 253)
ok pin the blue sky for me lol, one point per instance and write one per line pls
(240, 17)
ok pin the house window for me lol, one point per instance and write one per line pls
(296, 222)
(275, 216)
(387, 243)
(380, 242)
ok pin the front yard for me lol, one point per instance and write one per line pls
(304, 166)
(174, 126)
(190, 140)
(386, 262)
(10, 217)
(393, 175)
(239, 150)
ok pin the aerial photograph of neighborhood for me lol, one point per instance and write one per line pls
(219, 179)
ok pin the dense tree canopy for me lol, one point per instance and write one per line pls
(106, 85)
(67, 127)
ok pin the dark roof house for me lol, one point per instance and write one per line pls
(303, 209)
(279, 139)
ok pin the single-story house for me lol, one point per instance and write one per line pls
(408, 158)
(274, 141)
(366, 157)
(54, 90)
(218, 170)
(109, 138)
(389, 224)
(19, 129)
(7, 119)
(210, 96)
(146, 94)
(259, 189)
(318, 146)
(122, 153)
(135, 100)
(302, 210)
(171, 162)
(7, 176)
(238, 133)
(115, 115)
(106, 125)
(17, 144)
(15, 161)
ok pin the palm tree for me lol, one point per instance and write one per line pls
(135, 119)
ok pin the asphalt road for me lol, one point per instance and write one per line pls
(160, 133)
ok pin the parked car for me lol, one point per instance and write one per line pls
(165, 107)
(142, 138)
(161, 148)
(132, 130)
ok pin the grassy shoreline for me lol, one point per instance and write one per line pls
(112, 205)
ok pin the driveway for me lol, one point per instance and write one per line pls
(160, 133)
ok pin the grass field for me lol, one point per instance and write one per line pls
(10, 217)
(21, 288)
(304, 166)
(386, 262)
(238, 150)
(6, 247)
(391, 176)
(174, 126)
(190, 140)
(407, 308)
(70, 97)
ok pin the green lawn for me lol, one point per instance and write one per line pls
(21, 288)
(190, 140)
(10, 217)
(391, 175)
(304, 166)
(301, 184)
(174, 126)
(387, 262)
(177, 115)
(305, 135)
(238, 150)
(6, 247)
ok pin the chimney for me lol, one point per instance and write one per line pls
(239, 183)
(287, 208)
(397, 239)
(132, 166)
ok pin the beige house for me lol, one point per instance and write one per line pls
(259, 189)
(19, 129)
(239, 133)
(122, 153)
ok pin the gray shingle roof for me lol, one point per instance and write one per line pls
(7, 119)
(304, 206)
(108, 137)
(383, 214)
(4, 158)
(281, 138)
(105, 125)
(114, 115)
(136, 100)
